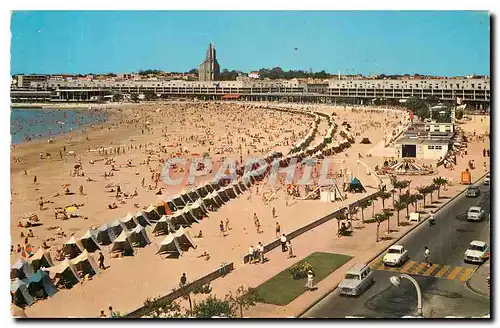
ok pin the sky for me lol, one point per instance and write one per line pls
(446, 43)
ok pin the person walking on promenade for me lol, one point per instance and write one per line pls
(427, 255)
(251, 251)
(183, 280)
(278, 229)
(283, 243)
(310, 280)
(261, 252)
(290, 250)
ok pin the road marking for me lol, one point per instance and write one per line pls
(466, 274)
(428, 270)
(433, 272)
(418, 268)
(442, 271)
(454, 273)
(407, 266)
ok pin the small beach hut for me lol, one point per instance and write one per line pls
(139, 237)
(72, 248)
(65, 274)
(151, 214)
(169, 245)
(188, 216)
(122, 245)
(103, 236)
(20, 294)
(129, 221)
(21, 269)
(163, 226)
(116, 228)
(142, 219)
(89, 241)
(85, 264)
(40, 286)
(40, 259)
(183, 239)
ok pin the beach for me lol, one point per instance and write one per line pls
(129, 149)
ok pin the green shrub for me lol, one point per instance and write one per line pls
(370, 221)
(299, 270)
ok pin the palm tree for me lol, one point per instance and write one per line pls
(363, 204)
(423, 190)
(440, 182)
(399, 206)
(431, 189)
(379, 218)
(416, 197)
(400, 185)
(406, 199)
(393, 192)
(384, 196)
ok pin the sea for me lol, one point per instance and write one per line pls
(30, 124)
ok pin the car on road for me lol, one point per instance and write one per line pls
(472, 191)
(395, 256)
(357, 280)
(475, 213)
(487, 179)
(477, 252)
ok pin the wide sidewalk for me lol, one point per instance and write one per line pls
(478, 282)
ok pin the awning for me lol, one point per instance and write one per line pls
(231, 96)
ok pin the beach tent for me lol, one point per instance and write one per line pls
(163, 226)
(21, 269)
(139, 237)
(86, 264)
(365, 141)
(72, 248)
(40, 286)
(65, 274)
(89, 241)
(20, 294)
(223, 195)
(185, 197)
(197, 210)
(161, 208)
(209, 188)
(151, 214)
(183, 239)
(215, 184)
(193, 195)
(356, 186)
(188, 216)
(142, 219)
(129, 221)
(230, 191)
(103, 236)
(241, 186)
(116, 228)
(169, 245)
(122, 244)
(41, 259)
(208, 201)
(178, 202)
(218, 200)
(203, 191)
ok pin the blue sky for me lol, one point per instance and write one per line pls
(426, 42)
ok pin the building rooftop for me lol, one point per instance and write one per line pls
(423, 141)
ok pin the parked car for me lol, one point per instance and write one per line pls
(357, 280)
(472, 191)
(487, 179)
(477, 252)
(395, 256)
(475, 213)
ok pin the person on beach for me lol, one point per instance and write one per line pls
(251, 252)
(261, 252)
(278, 229)
(101, 261)
(290, 250)
(257, 226)
(183, 280)
(227, 224)
(112, 314)
(81, 189)
(274, 212)
(34, 180)
(221, 229)
(102, 315)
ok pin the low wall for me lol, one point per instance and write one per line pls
(222, 271)
(297, 232)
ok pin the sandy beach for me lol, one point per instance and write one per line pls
(130, 151)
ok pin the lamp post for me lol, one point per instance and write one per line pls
(396, 281)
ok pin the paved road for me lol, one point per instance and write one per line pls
(447, 295)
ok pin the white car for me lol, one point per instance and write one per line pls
(395, 256)
(472, 191)
(487, 179)
(475, 213)
(357, 279)
(477, 252)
